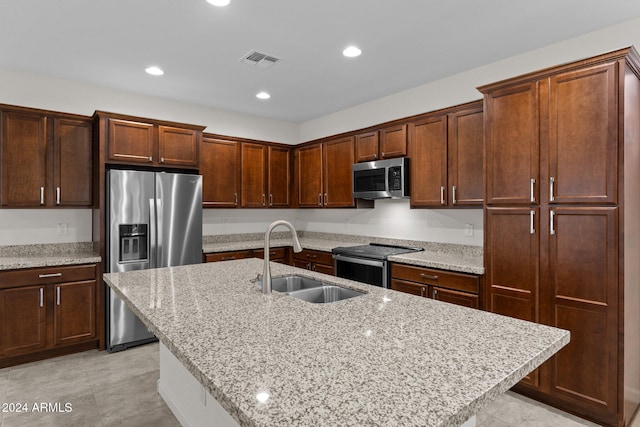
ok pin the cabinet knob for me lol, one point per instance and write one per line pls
(150, 159)
(235, 199)
(453, 195)
(375, 156)
(382, 154)
(161, 159)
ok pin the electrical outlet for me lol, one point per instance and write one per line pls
(62, 229)
(468, 229)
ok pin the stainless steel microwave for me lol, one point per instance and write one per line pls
(381, 179)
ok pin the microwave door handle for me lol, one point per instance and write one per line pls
(371, 262)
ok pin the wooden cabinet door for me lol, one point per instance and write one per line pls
(72, 162)
(393, 142)
(367, 146)
(254, 175)
(455, 297)
(74, 312)
(339, 156)
(583, 275)
(219, 167)
(465, 163)
(428, 166)
(279, 177)
(512, 254)
(23, 159)
(178, 147)
(130, 142)
(410, 287)
(309, 176)
(323, 268)
(22, 320)
(512, 145)
(583, 136)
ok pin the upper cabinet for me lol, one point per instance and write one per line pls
(323, 174)
(45, 159)
(265, 176)
(220, 170)
(446, 164)
(385, 143)
(131, 140)
(572, 120)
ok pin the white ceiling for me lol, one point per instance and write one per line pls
(405, 43)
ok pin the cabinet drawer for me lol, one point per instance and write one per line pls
(445, 279)
(274, 253)
(454, 297)
(228, 256)
(318, 257)
(13, 278)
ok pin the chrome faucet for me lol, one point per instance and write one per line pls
(266, 272)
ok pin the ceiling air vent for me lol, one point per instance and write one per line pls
(259, 59)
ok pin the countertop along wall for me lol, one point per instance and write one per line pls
(390, 218)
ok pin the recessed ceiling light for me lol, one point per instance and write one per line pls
(351, 52)
(263, 95)
(219, 3)
(154, 71)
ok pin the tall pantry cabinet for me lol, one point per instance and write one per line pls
(562, 225)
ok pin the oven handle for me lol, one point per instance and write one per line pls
(371, 262)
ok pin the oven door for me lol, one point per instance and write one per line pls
(371, 271)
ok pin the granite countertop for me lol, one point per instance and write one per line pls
(47, 255)
(384, 358)
(445, 256)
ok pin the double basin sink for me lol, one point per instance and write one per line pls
(311, 290)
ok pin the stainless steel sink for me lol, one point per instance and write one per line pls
(325, 294)
(292, 283)
(311, 290)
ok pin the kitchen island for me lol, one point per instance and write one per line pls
(384, 358)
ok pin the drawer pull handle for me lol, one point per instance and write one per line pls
(46, 276)
(57, 195)
(41, 196)
(428, 276)
(228, 258)
(41, 297)
(421, 291)
(435, 294)
(58, 295)
(312, 256)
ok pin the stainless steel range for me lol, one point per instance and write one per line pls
(367, 263)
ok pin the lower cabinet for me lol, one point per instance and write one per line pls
(319, 261)
(44, 311)
(456, 288)
(227, 256)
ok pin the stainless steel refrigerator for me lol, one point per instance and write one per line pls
(154, 219)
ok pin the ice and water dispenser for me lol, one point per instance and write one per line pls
(133, 242)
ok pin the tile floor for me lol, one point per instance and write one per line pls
(120, 390)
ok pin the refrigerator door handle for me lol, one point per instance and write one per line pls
(152, 234)
(160, 255)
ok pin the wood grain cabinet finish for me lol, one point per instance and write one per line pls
(178, 147)
(393, 141)
(23, 314)
(384, 143)
(367, 146)
(555, 141)
(228, 256)
(46, 312)
(324, 174)
(309, 176)
(465, 157)
(338, 158)
(446, 152)
(428, 167)
(265, 176)
(220, 170)
(313, 260)
(45, 159)
(447, 286)
(132, 141)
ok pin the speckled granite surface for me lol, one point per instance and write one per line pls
(385, 358)
(446, 256)
(46, 255)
